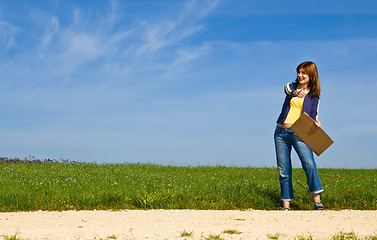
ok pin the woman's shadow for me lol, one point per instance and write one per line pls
(272, 194)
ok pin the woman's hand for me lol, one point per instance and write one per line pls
(318, 123)
(300, 93)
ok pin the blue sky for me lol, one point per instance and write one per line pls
(182, 82)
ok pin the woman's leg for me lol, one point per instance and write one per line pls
(286, 204)
(308, 164)
(283, 157)
(316, 197)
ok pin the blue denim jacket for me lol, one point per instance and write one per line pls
(310, 104)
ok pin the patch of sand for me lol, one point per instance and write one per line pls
(170, 224)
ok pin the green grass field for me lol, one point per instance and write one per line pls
(27, 185)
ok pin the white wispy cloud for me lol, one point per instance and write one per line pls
(7, 35)
(183, 57)
(51, 31)
(170, 33)
(119, 49)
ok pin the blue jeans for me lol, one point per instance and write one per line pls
(285, 139)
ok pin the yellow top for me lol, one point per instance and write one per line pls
(295, 111)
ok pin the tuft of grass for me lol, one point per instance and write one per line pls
(186, 234)
(212, 237)
(343, 236)
(231, 231)
(273, 236)
(13, 237)
(303, 238)
(112, 237)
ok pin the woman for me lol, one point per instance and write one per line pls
(301, 96)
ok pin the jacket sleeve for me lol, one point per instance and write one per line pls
(289, 88)
(315, 106)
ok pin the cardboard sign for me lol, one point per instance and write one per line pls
(313, 136)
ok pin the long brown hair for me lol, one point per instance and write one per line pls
(314, 85)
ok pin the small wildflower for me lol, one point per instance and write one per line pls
(349, 191)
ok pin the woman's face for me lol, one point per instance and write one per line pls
(302, 77)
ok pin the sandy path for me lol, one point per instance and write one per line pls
(169, 224)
